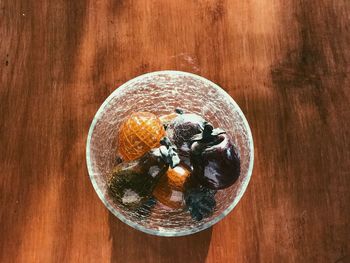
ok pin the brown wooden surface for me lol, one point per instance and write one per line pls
(286, 63)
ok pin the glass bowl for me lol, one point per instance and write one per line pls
(161, 92)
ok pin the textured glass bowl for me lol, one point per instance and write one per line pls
(161, 92)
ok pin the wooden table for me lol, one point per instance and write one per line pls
(286, 63)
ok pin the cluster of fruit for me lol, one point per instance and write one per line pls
(178, 159)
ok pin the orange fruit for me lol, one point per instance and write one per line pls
(169, 190)
(177, 176)
(139, 133)
(166, 195)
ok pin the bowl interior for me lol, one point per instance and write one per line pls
(160, 93)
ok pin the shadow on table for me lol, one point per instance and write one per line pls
(130, 245)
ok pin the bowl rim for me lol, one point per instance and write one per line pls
(161, 231)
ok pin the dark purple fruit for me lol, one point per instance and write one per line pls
(182, 129)
(215, 159)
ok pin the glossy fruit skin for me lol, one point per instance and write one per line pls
(216, 162)
(167, 195)
(177, 176)
(139, 133)
(182, 129)
(170, 188)
(131, 183)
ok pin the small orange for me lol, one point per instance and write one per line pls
(166, 195)
(138, 134)
(177, 176)
(169, 190)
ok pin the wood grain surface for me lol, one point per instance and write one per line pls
(286, 63)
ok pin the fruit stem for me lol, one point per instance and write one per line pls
(208, 130)
(179, 111)
(209, 134)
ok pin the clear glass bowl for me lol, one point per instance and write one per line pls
(161, 92)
